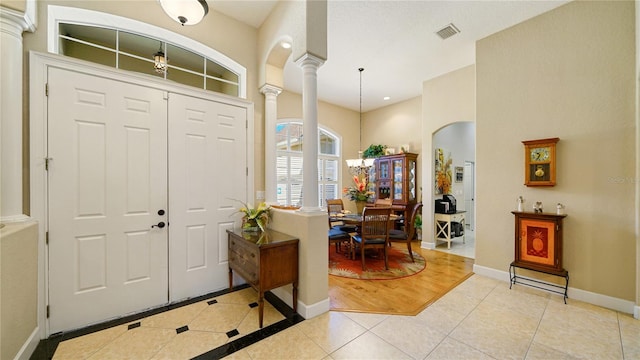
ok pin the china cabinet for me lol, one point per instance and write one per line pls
(394, 177)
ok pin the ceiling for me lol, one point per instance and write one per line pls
(395, 41)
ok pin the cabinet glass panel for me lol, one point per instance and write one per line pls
(397, 179)
(411, 181)
(384, 170)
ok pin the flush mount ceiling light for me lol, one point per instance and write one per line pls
(186, 12)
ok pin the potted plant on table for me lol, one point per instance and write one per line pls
(255, 218)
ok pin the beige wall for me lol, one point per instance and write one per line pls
(394, 125)
(15, 5)
(447, 99)
(568, 73)
(19, 279)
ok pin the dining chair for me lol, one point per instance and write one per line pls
(336, 235)
(408, 233)
(336, 206)
(383, 202)
(374, 233)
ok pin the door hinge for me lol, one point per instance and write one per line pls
(46, 89)
(247, 171)
(246, 124)
(46, 238)
(46, 162)
(48, 312)
(165, 95)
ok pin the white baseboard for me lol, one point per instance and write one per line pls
(427, 245)
(306, 311)
(29, 346)
(605, 301)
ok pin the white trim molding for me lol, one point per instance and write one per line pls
(605, 301)
(57, 14)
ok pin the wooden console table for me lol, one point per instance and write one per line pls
(266, 260)
(443, 226)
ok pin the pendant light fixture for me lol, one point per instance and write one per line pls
(186, 12)
(160, 61)
(360, 166)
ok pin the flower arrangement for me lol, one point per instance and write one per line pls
(443, 173)
(254, 218)
(359, 192)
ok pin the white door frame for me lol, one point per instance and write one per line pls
(38, 66)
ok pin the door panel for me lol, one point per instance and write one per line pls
(107, 181)
(208, 160)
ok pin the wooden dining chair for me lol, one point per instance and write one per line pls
(408, 233)
(374, 233)
(336, 234)
(336, 206)
(383, 202)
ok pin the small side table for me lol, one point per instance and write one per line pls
(443, 226)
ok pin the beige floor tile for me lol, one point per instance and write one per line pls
(417, 338)
(190, 343)
(450, 349)
(369, 346)
(477, 286)
(520, 299)
(541, 352)
(287, 344)
(458, 302)
(501, 333)
(331, 330)
(251, 322)
(175, 318)
(220, 317)
(238, 355)
(136, 344)
(580, 332)
(84, 346)
(366, 320)
(437, 318)
(630, 333)
(244, 296)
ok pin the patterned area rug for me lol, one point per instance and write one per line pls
(400, 264)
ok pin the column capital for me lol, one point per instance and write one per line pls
(269, 89)
(310, 59)
(19, 21)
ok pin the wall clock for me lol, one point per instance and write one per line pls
(540, 162)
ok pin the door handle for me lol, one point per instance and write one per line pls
(160, 225)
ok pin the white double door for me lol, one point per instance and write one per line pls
(126, 159)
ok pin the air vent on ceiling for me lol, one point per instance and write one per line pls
(448, 31)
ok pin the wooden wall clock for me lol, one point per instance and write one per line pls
(540, 162)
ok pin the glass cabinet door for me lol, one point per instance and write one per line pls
(411, 180)
(397, 180)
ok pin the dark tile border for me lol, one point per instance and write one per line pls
(291, 318)
(47, 347)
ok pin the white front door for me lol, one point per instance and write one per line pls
(208, 162)
(107, 141)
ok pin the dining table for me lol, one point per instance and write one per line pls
(356, 219)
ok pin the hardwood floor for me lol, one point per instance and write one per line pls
(404, 296)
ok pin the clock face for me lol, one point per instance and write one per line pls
(540, 154)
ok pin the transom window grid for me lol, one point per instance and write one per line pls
(133, 52)
(289, 165)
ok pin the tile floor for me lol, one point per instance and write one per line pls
(466, 249)
(480, 319)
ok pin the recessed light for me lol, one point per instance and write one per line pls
(286, 45)
(386, 98)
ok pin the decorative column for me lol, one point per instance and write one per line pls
(270, 153)
(12, 24)
(310, 65)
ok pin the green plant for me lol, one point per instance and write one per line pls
(374, 151)
(252, 217)
(417, 223)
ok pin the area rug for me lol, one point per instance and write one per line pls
(400, 264)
